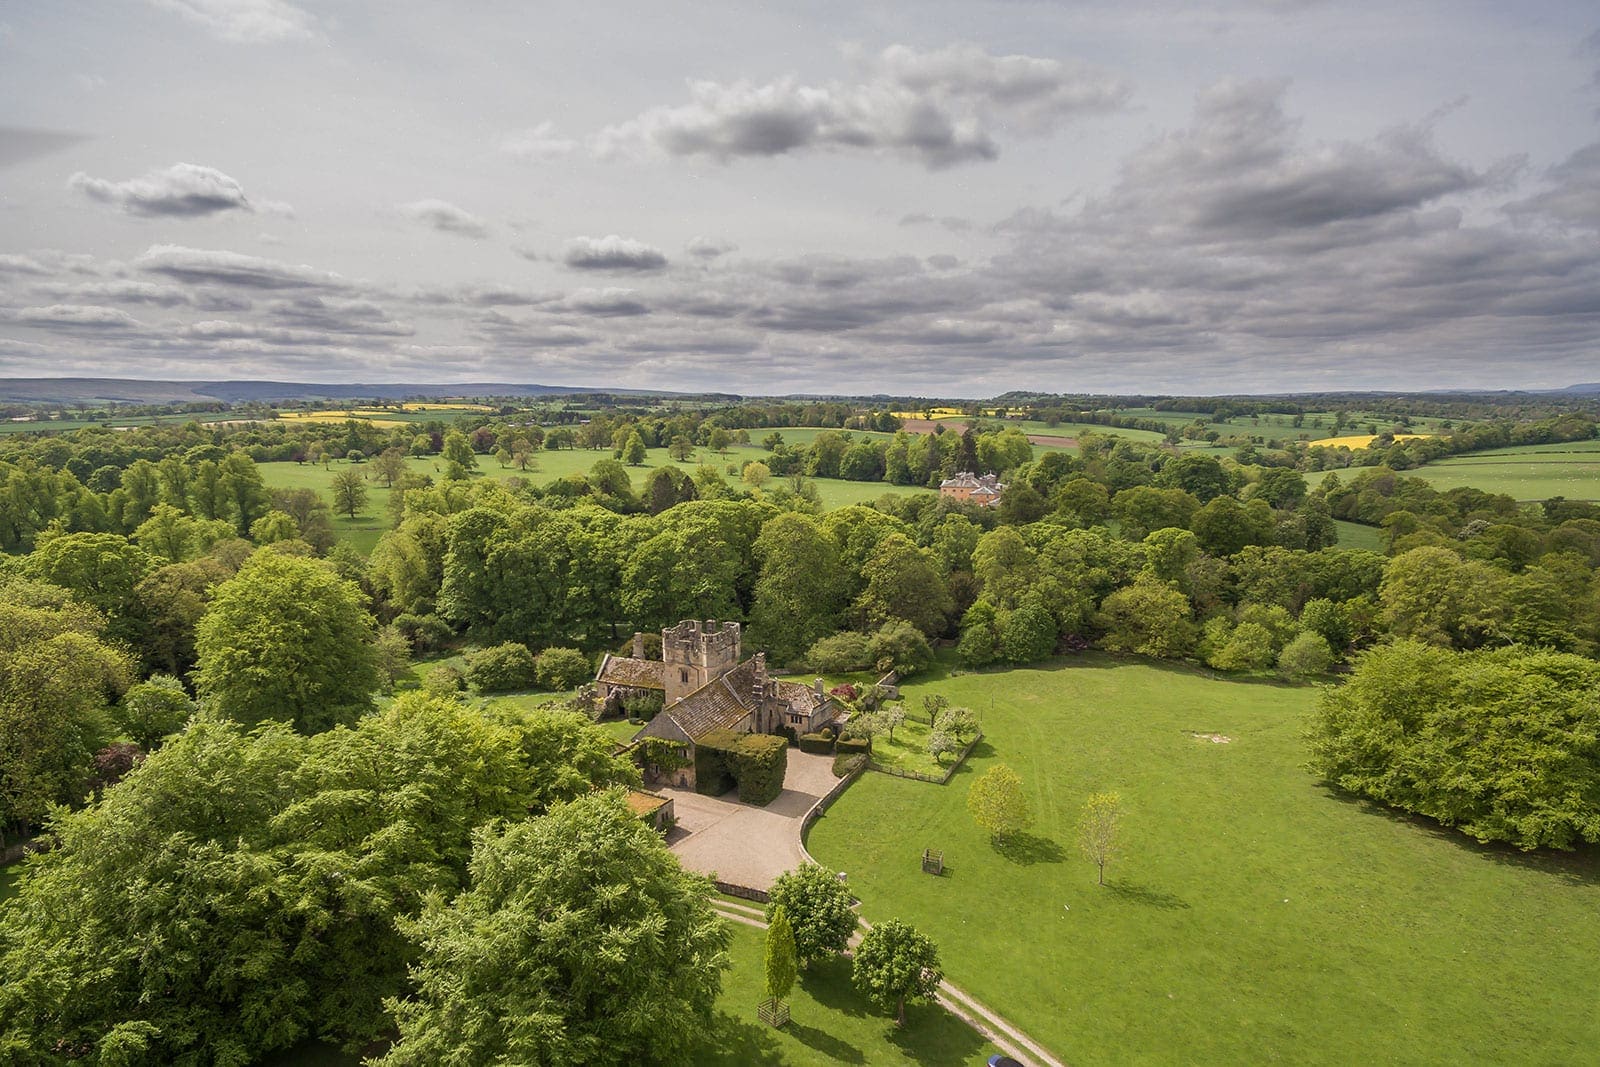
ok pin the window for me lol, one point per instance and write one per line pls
(683, 676)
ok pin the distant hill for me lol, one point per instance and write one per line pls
(134, 391)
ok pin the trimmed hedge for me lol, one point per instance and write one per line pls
(845, 764)
(757, 762)
(817, 744)
(849, 746)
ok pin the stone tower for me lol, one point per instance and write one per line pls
(693, 653)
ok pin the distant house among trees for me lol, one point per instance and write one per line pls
(705, 687)
(984, 489)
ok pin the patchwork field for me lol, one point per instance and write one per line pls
(1254, 917)
(1532, 472)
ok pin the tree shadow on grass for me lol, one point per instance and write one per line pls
(836, 1050)
(828, 980)
(1581, 866)
(935, 1037)
(733, 1041)
(1026, 849)
(1134, 893)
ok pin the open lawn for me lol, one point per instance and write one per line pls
(1359, 535)
(1531, 472)
(830, 1023)
(1254, 917)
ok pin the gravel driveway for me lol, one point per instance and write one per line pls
(744, 844)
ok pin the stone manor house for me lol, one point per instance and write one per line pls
(706, 686)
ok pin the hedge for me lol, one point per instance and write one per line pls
(845, 764)
(757, 762)
(849, 746)
(817, 744)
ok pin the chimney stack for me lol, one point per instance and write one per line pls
(638, 646)
(818, 689)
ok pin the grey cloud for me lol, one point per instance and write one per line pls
(213, 331)
(938, 108)
(446, 217)
(183, 190)
(952, 223)
(12, 263)
(121, 291)
(1573, 198)
(709, 247)
(76, 317)
(204, 266)
(539, 143)
(245, 21)
(337, 316)
(606, 303)
(503, 329)
(18, 144)
(612, 253)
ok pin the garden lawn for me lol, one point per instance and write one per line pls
(830, 1023)
(909, 749)
(1255, 916)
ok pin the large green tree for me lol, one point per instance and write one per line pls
(246, 889)
(818, 907)
(581, 940)
(1504, 744)
(894, 963)
(287, 640)
(799, 593)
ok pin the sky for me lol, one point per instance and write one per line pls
(925, 198)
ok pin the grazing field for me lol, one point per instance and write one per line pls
(1359, 535)
(830, 1023)
(1531, 472)
(1254, 916)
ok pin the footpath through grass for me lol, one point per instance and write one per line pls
(1255, 917)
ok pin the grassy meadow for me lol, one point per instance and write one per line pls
(1530, 472)
(1253, 916)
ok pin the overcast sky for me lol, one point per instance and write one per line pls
(917, 198)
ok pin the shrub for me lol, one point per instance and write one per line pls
(1307, 655)
(427, 633)
(849, 745)
(820, 744)
(445, 680)
(563, 668)
(839, 654)
(502, 668)
(757, 762)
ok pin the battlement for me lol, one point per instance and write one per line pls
(695, 652)
(701, 642)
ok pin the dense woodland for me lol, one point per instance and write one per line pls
(169, 623)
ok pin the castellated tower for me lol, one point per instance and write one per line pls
(694, 653)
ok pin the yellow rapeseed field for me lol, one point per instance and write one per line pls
(1362, 440)
(374, 417)
(413, 406)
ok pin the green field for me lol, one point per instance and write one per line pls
(1359, 535)
(1531, 472)
(1255, 917)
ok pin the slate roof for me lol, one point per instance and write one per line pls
(637, 673)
